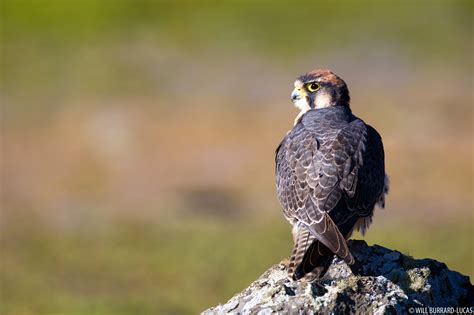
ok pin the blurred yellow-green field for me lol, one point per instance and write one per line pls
(137, 141)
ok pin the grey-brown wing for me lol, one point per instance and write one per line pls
(308, 183)
(364, 175)
(293, 176)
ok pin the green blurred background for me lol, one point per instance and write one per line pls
(138, 140)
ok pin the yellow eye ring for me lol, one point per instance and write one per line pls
(313, 86)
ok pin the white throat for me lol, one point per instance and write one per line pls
(303, 106)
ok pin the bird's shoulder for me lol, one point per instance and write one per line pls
(326, 124)
(373, 133)
(314, 124)
(326, 128)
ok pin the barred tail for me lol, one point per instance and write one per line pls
(304, 238)
(315, 262)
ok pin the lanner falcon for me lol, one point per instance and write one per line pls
(330, 174)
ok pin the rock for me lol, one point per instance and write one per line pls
(381, 281)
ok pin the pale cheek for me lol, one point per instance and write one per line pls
(322, 100)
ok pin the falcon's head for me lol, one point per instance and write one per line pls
(318, 89)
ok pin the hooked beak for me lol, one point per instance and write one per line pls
(297, 94)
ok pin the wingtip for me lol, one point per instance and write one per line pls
(350, 260)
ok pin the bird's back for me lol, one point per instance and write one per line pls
(336, 144)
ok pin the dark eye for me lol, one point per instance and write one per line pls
(313, 87)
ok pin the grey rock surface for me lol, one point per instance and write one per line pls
(382, 281)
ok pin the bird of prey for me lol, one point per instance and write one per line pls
(330, 174)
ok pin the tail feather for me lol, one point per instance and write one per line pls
(315, 262)
(304, 238)
(318, 257)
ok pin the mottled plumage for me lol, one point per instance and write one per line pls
(329, 174)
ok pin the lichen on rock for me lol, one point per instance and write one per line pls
(381, 281)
